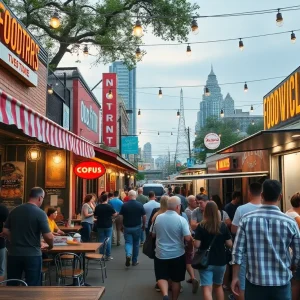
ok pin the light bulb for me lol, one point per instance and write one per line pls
(137, 29)
(54, 21)
(188, 50)
(194, 27)
(109, 95)
(160, 93)
(171, 133)
(138, 53)
(206, 91)
(251, 109)
(252, 122)
(158, 133)
(279, 19)
(86, 51)
(245, 87)
(178, 114)
(50, 89)
(222, 113)
(293, 37)
(241, 45)
(139, 113)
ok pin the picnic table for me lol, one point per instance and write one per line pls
(75, 228)
(51, 292)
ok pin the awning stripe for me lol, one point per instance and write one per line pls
(33, 124)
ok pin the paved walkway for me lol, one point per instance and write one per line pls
(134, 282)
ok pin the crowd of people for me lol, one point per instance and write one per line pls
(253, 250)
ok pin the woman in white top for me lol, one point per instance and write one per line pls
(87, 217)
(223, 214)
(294, 213)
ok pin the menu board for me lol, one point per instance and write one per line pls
(12, 183)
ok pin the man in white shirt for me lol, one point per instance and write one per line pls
(149, 206)
(254, 195)
(170, 230)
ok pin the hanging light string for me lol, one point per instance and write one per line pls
(227, 15)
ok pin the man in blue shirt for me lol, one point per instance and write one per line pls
(116, 203)
(133, 216)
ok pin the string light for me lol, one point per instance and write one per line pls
(293, 37)
(245, 87)
(195, 134)
(160, 93)
(279, 19)
(206, 91)
(110, 95)
(222, 113)
(50, 89)
(137, 29)
(140, 133)
(188, 50)
(220, 135)
(85, 51)
(178, 114)
(252, 122)
(54, 21)
(138, 53)
(241, 45)
(171, 133)
(194, 27)
(139, 113)
(251, 109)
(158, 133)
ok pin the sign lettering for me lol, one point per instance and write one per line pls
(89, 170)
(283, 104)
(109, 101)
(89, 117)
(223, 164)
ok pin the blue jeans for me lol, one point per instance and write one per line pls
(132, 242)
(30, 265)
(258, 292)
(86, 231)
(142, 237)
(102, 234)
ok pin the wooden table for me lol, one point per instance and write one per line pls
(76, 221)
(69, 228)
(51, 293)
(81, 248)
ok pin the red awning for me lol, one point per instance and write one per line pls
(33, 124)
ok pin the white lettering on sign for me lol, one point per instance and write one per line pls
(89, 170)
(89, 117)
(109, 82)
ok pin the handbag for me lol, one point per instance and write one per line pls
(201, 257)
(149, 245)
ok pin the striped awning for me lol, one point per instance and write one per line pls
(33, 124)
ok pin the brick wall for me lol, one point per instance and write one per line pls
(34, 97)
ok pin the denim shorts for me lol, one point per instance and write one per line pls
(212, 275)
(2, 261)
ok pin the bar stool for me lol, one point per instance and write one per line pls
(46, 270)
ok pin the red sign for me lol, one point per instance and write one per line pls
(109, 104)
(89, 170)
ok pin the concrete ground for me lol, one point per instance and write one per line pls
(134, 282)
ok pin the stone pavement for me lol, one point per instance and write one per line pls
(134, 282)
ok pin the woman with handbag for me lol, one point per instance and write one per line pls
(210, 237)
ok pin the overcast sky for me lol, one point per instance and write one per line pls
(170, 66)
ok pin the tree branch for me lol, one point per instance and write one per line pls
(67, 2)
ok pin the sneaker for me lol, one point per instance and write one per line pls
(141, 244)
(108, 258)
(128, 258)
(166, 297)
(195, 284)
(231, 297)
(118, 243)
(157, 288)
(135, 263)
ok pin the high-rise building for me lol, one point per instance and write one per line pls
(126, 88)
(211, 104)
(147, 153)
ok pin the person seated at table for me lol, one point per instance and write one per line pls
(52, 213)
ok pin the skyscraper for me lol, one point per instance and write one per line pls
(211, 105)
(126, 88)
(147, 152)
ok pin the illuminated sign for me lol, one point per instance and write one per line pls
(89, 170)
(223, 164)
(283, 103)
(18, 50)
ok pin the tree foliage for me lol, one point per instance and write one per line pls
(252, 129)
(105, 24)
(227, 129)
(139, 176)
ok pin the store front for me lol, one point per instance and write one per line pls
(34, 150)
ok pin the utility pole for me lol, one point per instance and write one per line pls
(188, 135)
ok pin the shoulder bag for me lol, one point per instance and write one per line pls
(149, 244)
(201, 257)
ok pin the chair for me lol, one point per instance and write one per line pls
(66, 271)
(99, 258)
(14, 280)
(46, 270)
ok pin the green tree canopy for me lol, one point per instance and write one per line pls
(105, 24)
(252, 129)
(226, 129)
